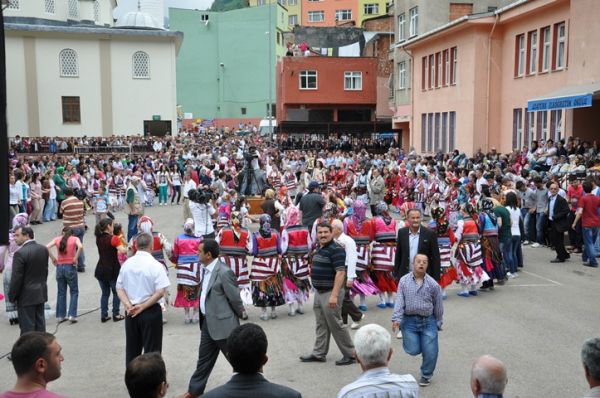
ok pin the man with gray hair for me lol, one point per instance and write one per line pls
(590, 356)
(373, 350)
(488, 377)
(141, 283)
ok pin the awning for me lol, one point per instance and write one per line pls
(565, 98)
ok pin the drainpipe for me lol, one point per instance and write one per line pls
(489, 72)
(412, 99)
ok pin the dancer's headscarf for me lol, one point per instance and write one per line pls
(236, 225)
(20, 220)
(439, 215)
(292, 216)
(359, 214)
(189, 226)
(329, 211)
(382, 209)
(145, 224)
(487, 206)
(265, 226)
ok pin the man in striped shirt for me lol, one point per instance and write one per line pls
(73, 214)
(328, 276)
(418, 313)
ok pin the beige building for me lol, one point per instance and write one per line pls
(72, 70)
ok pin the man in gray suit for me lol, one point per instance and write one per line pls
(220, 310)
(28, 287)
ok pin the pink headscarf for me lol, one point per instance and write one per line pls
(292, 216)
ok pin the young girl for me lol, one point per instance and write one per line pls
(242, 206)
(121, 242)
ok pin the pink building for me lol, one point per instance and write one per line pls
(528, 71)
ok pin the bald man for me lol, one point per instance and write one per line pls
(488, 377)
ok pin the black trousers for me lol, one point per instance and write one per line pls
(558, 241)
(145, 331)
(208, 352)
(348, 308)
(31, 318)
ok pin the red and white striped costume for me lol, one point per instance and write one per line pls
(363, 235)
(295, 244)
(384, 248)
(266, 261)
(233, 253)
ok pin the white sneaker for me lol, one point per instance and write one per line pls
(511, 276)
(356, 325)
(515, 275)
(536, 245)
(399, 335)
(526, 242)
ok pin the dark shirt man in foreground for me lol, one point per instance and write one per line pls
(328, 277)
(418, 313)
(247, 353)
(36, 357)
(488, 377)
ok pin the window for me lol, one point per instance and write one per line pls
(414, 21)
(352, 81)
(446, 77)
(308, 80)
(438, 138)
(517, 127)
(402, 75)
(431, 72)
(141, 65)
(423, 131)
(438, 75)
(282, 2)
(545, 61)
(452, 131)
(425, 73)
(69, 65)
(371, 9)
(343, 15)
(243, 111)
(556, 125)
(492, 8)
(520, 61)
(559, 50)
(13, 5)
(97, 13)
(49, 6)
(316, 16)
(401, 27)
(292, 2)
(445, 132)
(430, 132)
(293, 20)
(73, 9)
(71, 110)
(532, 42)
(453, 64)
(544, 122)
(530, 126)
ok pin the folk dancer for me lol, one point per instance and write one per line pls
(185, 256)
(383, 254)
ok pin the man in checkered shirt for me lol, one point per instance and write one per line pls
(418, 313)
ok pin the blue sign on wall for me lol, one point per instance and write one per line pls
(576, 101)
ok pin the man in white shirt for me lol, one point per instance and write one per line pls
(188, 185)
(141, 283)
(349, 245)
(372, 347)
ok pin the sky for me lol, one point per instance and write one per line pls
(124, 6)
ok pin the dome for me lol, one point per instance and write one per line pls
(138, 20)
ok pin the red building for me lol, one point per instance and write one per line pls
(326, 89)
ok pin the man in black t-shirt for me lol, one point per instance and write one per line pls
(311, 205)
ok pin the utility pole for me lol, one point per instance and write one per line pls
(270, 106)
(4, 203)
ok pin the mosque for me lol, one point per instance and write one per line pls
(74, 70)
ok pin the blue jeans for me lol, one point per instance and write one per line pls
(79, 232)
(420, 335)
(507, 254)
(526, 224)
(590, 236)
(50, 210)
(517, 254)
(66, 274)
(107, 287)
(132, 229)
(540, 225)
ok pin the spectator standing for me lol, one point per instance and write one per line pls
(28, 284)
(418, 313)
(69, 249)
(51, 207)
(574, 194)
(60, 186)
(73, 213)
(541, 208)
(587, 212)
(328, 275)
(373, 351)
(107, 268)
(14, 203)
(558, 212)
(133, 207)
(488, 377)
(247, 353)
(188, 185)
(141, 283)
(311, 205)
(36, 358)
(376, 189)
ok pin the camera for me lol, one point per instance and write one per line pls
(201, 196)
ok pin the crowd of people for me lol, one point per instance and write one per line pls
(334, 223)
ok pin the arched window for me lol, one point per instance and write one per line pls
(97, 11)
(73, 9)
(141, 65)
(69, 66)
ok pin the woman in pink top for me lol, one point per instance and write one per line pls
(69, 248)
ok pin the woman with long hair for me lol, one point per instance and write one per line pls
(37, 201)
(510, 202)
(185, 256)
(107, 268)
(162, 178)
(69, 249)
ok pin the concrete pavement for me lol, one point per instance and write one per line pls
(535, 324)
